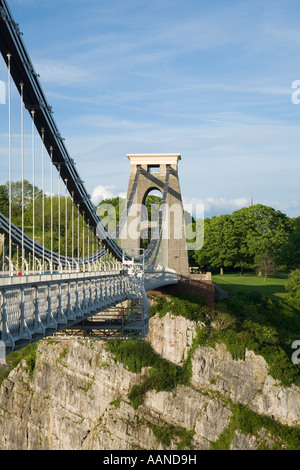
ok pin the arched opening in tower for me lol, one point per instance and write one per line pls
(149, 216)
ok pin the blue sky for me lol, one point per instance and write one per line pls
(209, 79)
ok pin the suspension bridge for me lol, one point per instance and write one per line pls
(101, 280)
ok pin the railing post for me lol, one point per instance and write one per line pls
(85, 307)
(103, 291)
(50, 323)
(24, 330)
(61, 318)
(97, 302)
(70, 313)
(92, 290)
(38, 324)
(78, 309)
(5, 333)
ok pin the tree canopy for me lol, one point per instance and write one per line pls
(60, 218)
(244, 238)
(289, 253)
(293, 287)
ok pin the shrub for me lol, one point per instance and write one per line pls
(166, 433)
(31, 359)
(162, 375)
(250, 423)
(192, 307)
(293, 288)
(133, 354)
(14, 358)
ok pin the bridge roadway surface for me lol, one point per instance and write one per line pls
(36, 306)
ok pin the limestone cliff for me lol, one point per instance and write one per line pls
(77, 398)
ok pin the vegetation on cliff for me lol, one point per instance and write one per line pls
(13, 359)
(243, 320)
(250, 423)
(162, 374)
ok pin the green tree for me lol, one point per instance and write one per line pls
(243, 227)
(289, 254)
(293, 288)
(4, 200)
(219, 249)
(243, 238)
(152, 204)
(110, 211)
(16, 196)
(258, 231)
(202, 256)
(265, 264)
(270, 230)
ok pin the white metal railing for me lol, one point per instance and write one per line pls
(36, 305)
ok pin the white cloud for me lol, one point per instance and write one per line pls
(105, 192)
(216, 205)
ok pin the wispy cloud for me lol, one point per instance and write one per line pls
(61, 73)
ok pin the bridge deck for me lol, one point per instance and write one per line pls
(36, 306)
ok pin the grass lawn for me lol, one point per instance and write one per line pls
(271, 287)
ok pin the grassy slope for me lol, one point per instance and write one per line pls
(273, 287)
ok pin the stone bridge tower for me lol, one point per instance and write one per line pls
(147, 173)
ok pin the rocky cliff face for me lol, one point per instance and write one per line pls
(77, 398)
